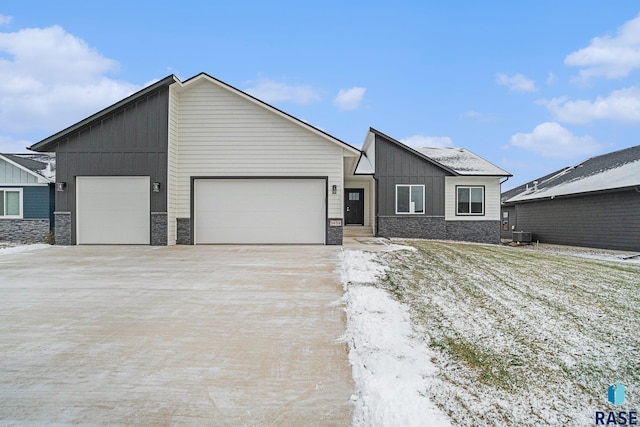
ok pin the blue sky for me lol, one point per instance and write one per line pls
(530, 86)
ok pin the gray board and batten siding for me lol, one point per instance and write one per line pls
(395, 165)
(129, 138)
(607, 220)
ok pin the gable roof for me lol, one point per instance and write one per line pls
(611, 171)
(40, 166)
(171, 80)
(277, 111)
(463, 161)
(46, 143)
(457, 161)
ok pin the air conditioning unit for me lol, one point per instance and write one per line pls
(521, 237)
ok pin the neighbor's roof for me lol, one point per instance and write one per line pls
(38, 164)
(463, 161)
(617, 170)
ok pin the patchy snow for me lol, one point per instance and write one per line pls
(390, 364)
(462, 161)
(627, 175)
(21, 248)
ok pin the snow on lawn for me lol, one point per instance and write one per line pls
(390, 364)
(518, 337)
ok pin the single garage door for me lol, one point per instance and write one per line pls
(246, 211)
(113, 210)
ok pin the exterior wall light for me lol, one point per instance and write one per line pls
(334, 189)
(156, 187)
(60, 186)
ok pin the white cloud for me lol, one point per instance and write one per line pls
(271, 91)
(516, 82)
(607, 56)
(551, 79)
(478, 116)
(621, 105)
(10, 145)
(349, 99)
(552, 140)
(421, 141)
(51, 79)
(5, 20)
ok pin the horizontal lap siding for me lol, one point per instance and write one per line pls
(172, 165)
(222, 134)
(491, 198)
(602, 221)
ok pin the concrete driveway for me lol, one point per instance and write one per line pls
(185, 335)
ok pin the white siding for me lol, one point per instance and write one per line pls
(368, 185)
(491, 198)
(172, 165)
(220, 133)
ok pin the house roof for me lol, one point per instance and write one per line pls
(41, 166)
(463, 161)
(611, 171)
(46, 143)
(457, 161)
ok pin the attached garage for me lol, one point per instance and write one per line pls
(113, 210)
(260, 211)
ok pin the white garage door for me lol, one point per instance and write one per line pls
(113, 210)
(260, 211)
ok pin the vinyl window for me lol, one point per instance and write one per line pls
(470, 200)
(409, 199)
(10, 203)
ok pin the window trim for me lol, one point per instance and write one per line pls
(410, 187)
(483, 200)
(4, 190)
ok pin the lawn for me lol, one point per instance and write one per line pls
(519, 336)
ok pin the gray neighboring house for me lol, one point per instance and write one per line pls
(197, 162)
(430, 193)
(595, 203)
(26, 197)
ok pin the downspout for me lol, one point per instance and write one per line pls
(377, 205)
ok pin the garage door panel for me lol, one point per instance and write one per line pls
(113, 210)
(260, 211)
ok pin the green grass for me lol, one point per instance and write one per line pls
(521, 331)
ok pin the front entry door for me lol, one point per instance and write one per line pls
(354, 206)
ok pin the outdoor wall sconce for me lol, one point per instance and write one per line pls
(156, 187)
(334, 189)
(60, 186)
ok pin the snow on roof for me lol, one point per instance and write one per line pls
(463, 161)
(40, 164)
(627, 175)
(618, 169)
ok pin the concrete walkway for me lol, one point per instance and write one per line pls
(186, 335)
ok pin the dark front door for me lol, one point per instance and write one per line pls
(354, 206)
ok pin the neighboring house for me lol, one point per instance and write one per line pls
(26, 197)
(431, 193)
(595, 203)
(197, 162)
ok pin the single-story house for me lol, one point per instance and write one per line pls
(595, 203)
(430, 193)
(197, 162)
(201, 162)
(26, 197)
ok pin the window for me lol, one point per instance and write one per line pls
(470, 201)
(409, 199)
(10, 203)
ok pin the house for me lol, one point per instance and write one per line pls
(197, 162)
(26, 197)
(595, 203)
(430, 193)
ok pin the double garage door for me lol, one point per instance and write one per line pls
(116, 210)
(259, 211)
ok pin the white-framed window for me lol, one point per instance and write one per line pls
(10, 203)
(469, 200)
(409, 199)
